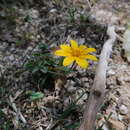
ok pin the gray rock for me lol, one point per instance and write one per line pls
(120, 117)
(128, 128)
(53, 11)
(114, 115)
(83, 98)
(71, 88)
(34, 13)
(84, 79)
(105, 127)
(11, 58)
(111, 72)
(123, 109)
(120, 80)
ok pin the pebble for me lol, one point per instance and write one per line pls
(122, 67)
(111, 72)
(53, 10)
(120, 117)
(11, 58)
(30, 48)
(105, 127)
(128, 128)
(34, 13)
(84, 79)
(120, 80)
(83, 98)
(71, 88)
(114, 115)
(123, 109)
(12, 49)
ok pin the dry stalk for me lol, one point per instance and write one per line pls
(97, 93)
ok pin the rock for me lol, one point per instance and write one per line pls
(120, 117)
(66, 102)
(111, 72)
(11, 58)
(105, 127)
(84, 79)
(122, 67)
(123, 109)
(126, 43)
(120, 80)
(71, 88)
(114, 115)
(53, 11)
(128, 128)
(83, 98)
(114, 124)
(30, 48)
(86, 85)
(81, 41)
(34, 13)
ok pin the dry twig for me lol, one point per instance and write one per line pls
(97, 93)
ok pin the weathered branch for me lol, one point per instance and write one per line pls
(97, 93)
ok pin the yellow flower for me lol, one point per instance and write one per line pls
(76, 53)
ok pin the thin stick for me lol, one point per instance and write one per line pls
(89, 4)
(97, 93)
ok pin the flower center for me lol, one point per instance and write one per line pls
(76, 53)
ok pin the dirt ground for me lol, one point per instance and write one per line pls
(24, 27)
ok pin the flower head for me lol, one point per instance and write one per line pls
(76, 53)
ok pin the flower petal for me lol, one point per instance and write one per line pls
(74, 44)
(65, 47)
(68, 60)
(88, 50)
(61, 53)
(90, 57)
(82, 47)
(82, 63)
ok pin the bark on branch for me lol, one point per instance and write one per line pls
(97, 93)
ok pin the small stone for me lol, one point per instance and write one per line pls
(11, 58)
(86, 84)
(53, 11)
(128, 128)
(120, 117)
(83, 98)
(12, 49)
(111, 72)
(114, 115)
(123, 109)
(84, 79)
(71, 88)
(120, 80)
(30, 48)
(34, 13)
(66, 102)
(105, 127)
(122, 67)
(81, 40)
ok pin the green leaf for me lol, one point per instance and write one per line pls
(28, 18)
(73, 106)
(36, 95)
(71, 126)
(2, 114)
(43, 46)
(68, 111)
(35, 69)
